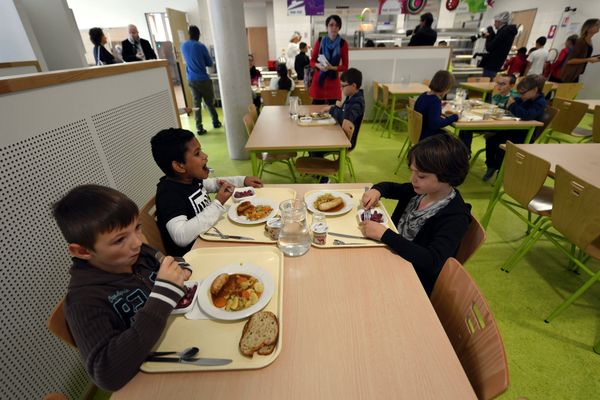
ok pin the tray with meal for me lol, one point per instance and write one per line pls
(316, 119)
(343, 211)
(248, 210)
(241, 293)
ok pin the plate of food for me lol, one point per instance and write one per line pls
(187, 301)
(252, 211)
(328, 203)
(377, 215)
(235, 291)
(320, 115)
(243, 193)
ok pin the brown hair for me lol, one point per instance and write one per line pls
(443, 155)
(532, 82)
(89, 210)
(587, 25)
(441, 81)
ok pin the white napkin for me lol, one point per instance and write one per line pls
(323, 60)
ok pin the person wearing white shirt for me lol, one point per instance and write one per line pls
(537, 59)
(293, 50)
(282, 81)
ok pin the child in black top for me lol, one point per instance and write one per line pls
(429, 104)
(431, 216)
(183, 208)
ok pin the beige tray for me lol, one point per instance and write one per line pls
(227, 227)
(219, 339)
(348, 223)
(318, 122)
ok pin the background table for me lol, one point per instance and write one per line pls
(358, 325)
(591, 104)
(276, 132)
(403, 90)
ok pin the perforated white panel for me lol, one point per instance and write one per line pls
(125, 133)
(33, 258)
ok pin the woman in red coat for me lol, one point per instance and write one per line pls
(326, 87)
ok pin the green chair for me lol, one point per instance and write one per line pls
(569, 116)
(586, 135)
(575, 217)
(414, 127)
(377, 103)
(392, 111)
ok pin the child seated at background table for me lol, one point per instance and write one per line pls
(431, 216)
(529, 106)
(183, 208)
(429, 104)
(282, 81)
(119, 295)
(503, 91)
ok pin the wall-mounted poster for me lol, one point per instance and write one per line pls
(305, 7)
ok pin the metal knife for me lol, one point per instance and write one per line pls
(228, 236)
(193, 361)
(351, 236)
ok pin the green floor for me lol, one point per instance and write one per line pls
(546, 361)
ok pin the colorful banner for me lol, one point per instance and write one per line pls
(305, 7)
(476, 6)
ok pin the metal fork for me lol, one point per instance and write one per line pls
(337, 242)
(219, 233)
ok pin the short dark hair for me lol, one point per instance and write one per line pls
(441, 81)
(194, 32)
(96, 36)
(170, 145)
(302, 45)
(427, 18)
(512, 77)
(352, 76)
(532, 82)
(336, 18)
(89, 210)
(541, 40)
(572, 39)
(522, 50)
(443, 155)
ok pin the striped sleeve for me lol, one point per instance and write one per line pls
(167, 292)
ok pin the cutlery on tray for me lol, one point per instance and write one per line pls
(337, 242)
(182, 263)
(194, 361)
(351, 236)
(226, 237)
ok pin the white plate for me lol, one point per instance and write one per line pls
(243, 189)
(232, 213)
(379, 211)
(310, 198)
(205, 299)
(188, 308)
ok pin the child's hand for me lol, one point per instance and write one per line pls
(372, 229)
(370, 198)
(253, 181)
(171, 271)
(225, 192)
(325, 109)
(510, 101)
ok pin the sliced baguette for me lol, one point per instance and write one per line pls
(261, 330)
(266, 350)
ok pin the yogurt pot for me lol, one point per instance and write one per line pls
(319, 233)
(273, 227)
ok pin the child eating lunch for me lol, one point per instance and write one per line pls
(429, 104)
(431, 216)
(119, 295)
(183, 208)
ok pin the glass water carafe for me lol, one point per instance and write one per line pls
(294, 103)
(294, 239)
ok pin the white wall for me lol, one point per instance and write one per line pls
(255, 14)
(271, 31)
(14, 43)
(285, 26)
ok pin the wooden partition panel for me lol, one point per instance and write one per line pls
(59, 130)
(19, 68)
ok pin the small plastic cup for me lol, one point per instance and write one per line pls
(319, 229)
(273, 227)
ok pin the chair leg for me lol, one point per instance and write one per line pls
(402, 155)
(475, 157)
(597, 348)
(574, 296)
(406, 141)
(525, 246)
(291, 167)
(351, 168)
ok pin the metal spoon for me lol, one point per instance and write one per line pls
(186, 354)
(337, 242)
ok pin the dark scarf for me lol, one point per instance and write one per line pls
(331, 51)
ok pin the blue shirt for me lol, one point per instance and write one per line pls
(529, 110)
(430, 107)
(196, 60)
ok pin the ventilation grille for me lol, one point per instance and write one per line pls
(33, 259)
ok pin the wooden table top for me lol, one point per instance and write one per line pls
(496, 124)
(479, 86)
(275, 130)
(406, 89)
(358, 325)
(591, 103)
(581, 159)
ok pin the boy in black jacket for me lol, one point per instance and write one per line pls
(431, 216)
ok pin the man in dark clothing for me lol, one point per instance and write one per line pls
(301, 61)
(498, 44)
(423, 35)
(135, 48)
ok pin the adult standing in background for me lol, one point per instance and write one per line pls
(135, 48)
(498, 44)
(196, 60)
(329, 56)
(293, 50)
(424, 35)
(101, 55)
(582, 52)
(301, 61)
(556, 67)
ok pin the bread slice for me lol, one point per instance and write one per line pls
(260, 334)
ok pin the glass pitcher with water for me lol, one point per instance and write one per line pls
(294, 239)
(294, 103)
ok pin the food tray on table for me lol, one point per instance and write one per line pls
(216, 338)
(347, 223)
(316, 119)
(255, 231)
